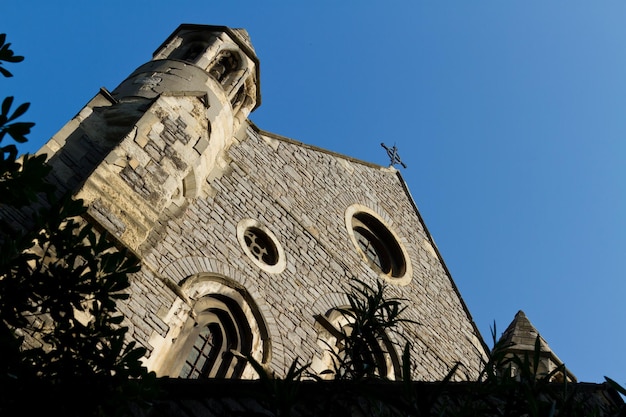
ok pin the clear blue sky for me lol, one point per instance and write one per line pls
(511, 118)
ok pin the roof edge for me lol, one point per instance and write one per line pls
(391, 169)
(486, 349)
(315, 148)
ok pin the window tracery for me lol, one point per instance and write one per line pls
(221, 327)
(261, 246)
(378, 244)
(223, 338)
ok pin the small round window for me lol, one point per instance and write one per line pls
(261, 246)
(378, 245)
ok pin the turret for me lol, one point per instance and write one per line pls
(519, 339)
(197, 59)
(141, 151)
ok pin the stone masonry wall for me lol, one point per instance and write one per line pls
(183, 210)
(173, 176)
(301, 194)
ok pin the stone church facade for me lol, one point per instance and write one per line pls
(248, 240)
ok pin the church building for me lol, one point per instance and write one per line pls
(248, 240)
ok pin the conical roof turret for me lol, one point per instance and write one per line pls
(520, 338)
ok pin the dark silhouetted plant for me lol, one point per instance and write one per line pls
(280, 394)
(362, 342)
(62, 342)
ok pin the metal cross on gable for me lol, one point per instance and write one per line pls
(393, 155)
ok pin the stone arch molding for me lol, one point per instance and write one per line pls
(329, 301)
(262, 239)
(214, 308)
(328, 319)
(380, 233)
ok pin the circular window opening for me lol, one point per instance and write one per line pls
(378, 245)
(260, 246)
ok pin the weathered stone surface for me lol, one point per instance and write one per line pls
(175, 180)
(322, 264)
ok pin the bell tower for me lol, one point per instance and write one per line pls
(141, 151)
(197, 59)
